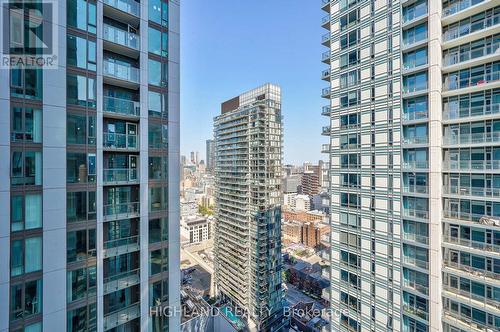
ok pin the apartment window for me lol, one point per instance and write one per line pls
(158, 230)
(158, 168)
(349, 59)
(26, 124)
(80, 129)
(350, 141)
(26, 168)
(415, 58)
(349, 79)
(158, 136)
(415, 82)
(26, 83)
(80, 245)
(158, 199)
(349, 39)
(81, 90)
(350, 219)
(157, 105)
(81, 283)
(81, 167)
(157, 73)
(82, 15)
(350, 120)
(157, 42)
(390, 137)
(25, 212)
(25, 256)
(415, 34)
(349, 19)
(352, 160)
(350, 239)
(81, 52)
(83, 319)
(158, 261)
(80, 206)
(350, 98)
(350, 200)
(158, 12)
(25, 299)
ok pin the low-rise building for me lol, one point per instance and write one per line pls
(196, 228)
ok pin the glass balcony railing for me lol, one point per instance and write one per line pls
(475, 138)
(416, 286)
(422, 313)
(326, 57)
(454, 83)
(416, 262)
(121, 106)
(415, 12)
(458, 6)
(454, 58)
(325, 74)
(325, 93)
(450, 113)
(120, 141)
(459, 215)
(325, 148)
(326, 130)
(490, 247)
(121, 71)
(119, 36)
(325, 39)
(122, 316)
(418, 238)
(472, 296)
(472, 191)
(476, 272)
(125, 241)
(410, 116)
(415, 164)
(121, 209)
(416, 140)
(112, 175)
(128, 6)
(416, 189)
(326, 110)
(415, 39)
(415, 213)
(465, 29)
(468, 165)
(407, 89)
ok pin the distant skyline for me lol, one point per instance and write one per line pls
(229, 47)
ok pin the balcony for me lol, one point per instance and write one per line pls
(415, 311)
(487, 53)
(121, 74)
(325, 75)
(466, 216)
(121, 246)
(471, 165)
(121, 107)
(452, 113)
(326, 110)
(454, 35)
(326, 93)
(415, 41)
(121, 211)
(416, 262)
(120, 41)
(325, 22)
(127, 6)
(326, 57)
(453, 83)
(459, 10)
(415, 189)
(325, 148)
(122, 316)
(114, 141)
(415, 14)
(325, 5)
(325, 39)
(483, 246)
(117, 176)
(476, 138)
(121, 281)
(416, 238)
(415, 116)
(415, 213)
(476, 273)
(326, 130)
(415, 140)
(415, 164)
(471, 191)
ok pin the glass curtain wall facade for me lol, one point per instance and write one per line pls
(412, 100)
(91, 195)
(248, 154)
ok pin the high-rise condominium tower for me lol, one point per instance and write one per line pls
(415, 178)
(89, 217)
(210, 155)
(248, 145)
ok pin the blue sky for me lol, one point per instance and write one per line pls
(231, 46)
